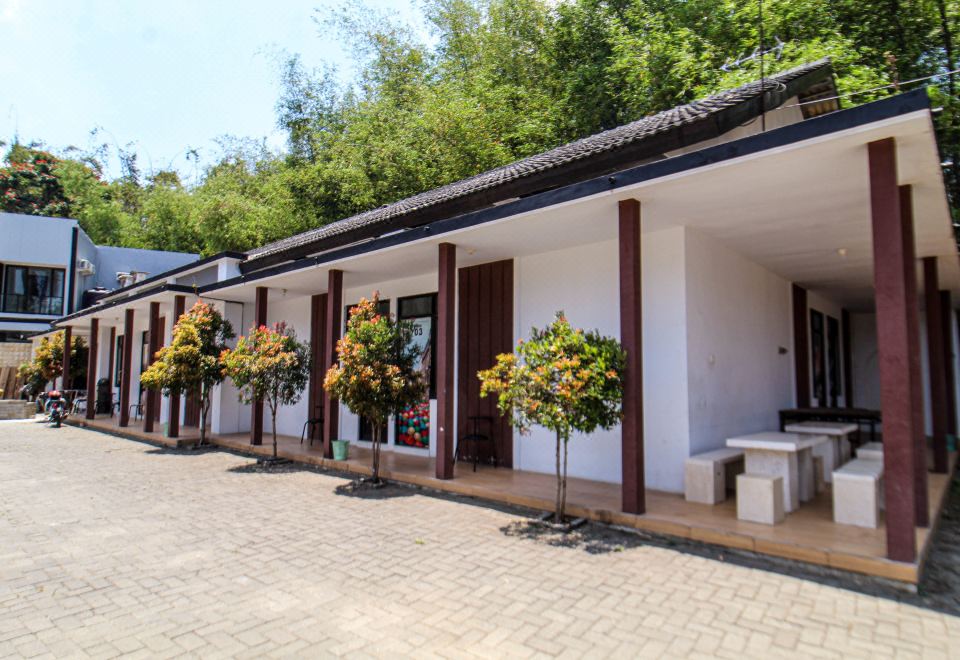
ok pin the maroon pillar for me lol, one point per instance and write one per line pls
(173, 411)
(801, 347)
(631, 336)
(256, 410)
(846, 334)
(892, 249)
(937, 371)
(916, 379)
(92, 347)
(446, 323)
(125, 368)
(67, 344)
(112, 348)
(331, 406)
(153, 345)
(946, 322)
(318, 370)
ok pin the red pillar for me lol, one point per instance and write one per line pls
(318, 369)
(446, 322)
(331, 406)
(631, 336)
(125, 368)
(847, 343)
(92, 348)
(937, 371)
(892, 250)
(916, 371)
(946, 322)
(801, 347)
(256, 410)
(153, 345)
(67, 344)
(173, 410)
(112, 364)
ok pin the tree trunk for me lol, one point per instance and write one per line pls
(558, 513)
(563, 486)
(273, 424)
(204, 403)
(376, 452)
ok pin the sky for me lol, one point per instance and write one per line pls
(166, 75)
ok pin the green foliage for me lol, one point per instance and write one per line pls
(192, 364)
(376, 376)
(562, 379)
(269, 365)
(47, 363)
(493, 81)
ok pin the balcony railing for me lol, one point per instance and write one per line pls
(16, 303)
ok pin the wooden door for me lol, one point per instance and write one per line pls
(191, 411)
(485, 308)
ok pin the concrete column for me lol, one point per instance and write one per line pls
(331, 406)
(946, 323)
(67, 344)
(256, 410)
(173, 409)
(126, 368)
(892, 250)
(92, 361)
(446, 324)
(937, 369)
(633, 489)
(801, 347)
(153, 345)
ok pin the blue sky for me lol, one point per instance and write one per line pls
(167, 75)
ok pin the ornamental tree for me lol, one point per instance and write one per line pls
(562, 379)
(191, 363)
(47, 363)
(377, 375)
(269, 365)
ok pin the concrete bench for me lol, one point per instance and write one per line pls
(872, 451)
(858, 493)
(760, 498)
(705, 476)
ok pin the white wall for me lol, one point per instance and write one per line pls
(739, 317)
(295, 310)
(865, 358)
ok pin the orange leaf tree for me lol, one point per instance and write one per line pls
(377, 375)
(562, 379)
(191, 363)
(269, 365)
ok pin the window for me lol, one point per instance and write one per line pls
(413, 424)
(29, 290)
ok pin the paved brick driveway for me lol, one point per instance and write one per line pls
(111, 547)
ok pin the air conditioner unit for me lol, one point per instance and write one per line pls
(85, 267)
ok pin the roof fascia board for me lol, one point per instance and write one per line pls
(90, 311)
(810, 129)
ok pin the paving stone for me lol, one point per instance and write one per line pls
(111, 547)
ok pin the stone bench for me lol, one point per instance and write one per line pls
(858, 493)
(705, 476)
(760, 498)
(872, 451)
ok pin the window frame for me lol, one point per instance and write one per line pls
(43, 304)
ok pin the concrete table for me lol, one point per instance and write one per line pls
(785, 455)
(834, 453)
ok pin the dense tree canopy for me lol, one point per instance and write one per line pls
(479, 84)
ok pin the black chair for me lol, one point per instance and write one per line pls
(312, 423)
(137, 409)
(474, 441)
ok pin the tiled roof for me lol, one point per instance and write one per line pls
(573, 153)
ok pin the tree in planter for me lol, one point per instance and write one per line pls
(47, 363)
(191, 363)
(377, 375)
(271, 366)
(562, 379)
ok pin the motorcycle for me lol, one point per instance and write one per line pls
(56, 408)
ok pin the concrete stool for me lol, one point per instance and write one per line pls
(872, 451)
(760, 498)
(706, 475)
(858, 493)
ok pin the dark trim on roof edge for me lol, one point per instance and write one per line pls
(227, 254)
(805, 130)
(173, 288)
(13, 319)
